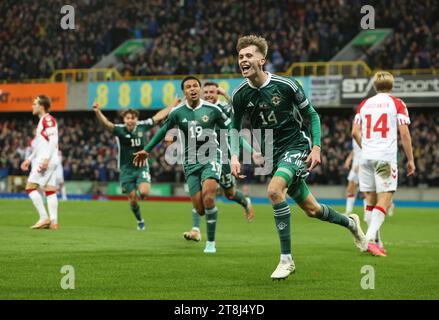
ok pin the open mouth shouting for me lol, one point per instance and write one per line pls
(245, 67)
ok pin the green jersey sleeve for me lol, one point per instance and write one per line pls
(169, 124)
(223, 121)
(146, 124)
(118, 130)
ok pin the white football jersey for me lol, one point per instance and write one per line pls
(46, 128)
(379, 117)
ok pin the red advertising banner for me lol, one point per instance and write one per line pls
(19, 97)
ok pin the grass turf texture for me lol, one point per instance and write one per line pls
(113, 260)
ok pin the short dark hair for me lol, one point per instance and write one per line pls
(133, 112)
(211, 83)
(44, 101)
(189, 78)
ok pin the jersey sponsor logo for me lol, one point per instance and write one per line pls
(276, 100)
(205, 118)
(250, 104)
(184, 120)
(127, 136)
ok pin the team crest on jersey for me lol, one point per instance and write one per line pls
(140, 134)
(205, 118)
(275, 100)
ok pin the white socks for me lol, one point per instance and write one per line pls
(350, 201)
(37, 200)
(368, 214)
(52, 204)
(286, 258)
(377, 219)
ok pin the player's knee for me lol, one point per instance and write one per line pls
(230, 195)
(274, 194)
(209, 199)
(144, 193)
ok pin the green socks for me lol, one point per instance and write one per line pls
(136, 210)
(332, 216)
(240, 198)
(196, 219)
(211, 217)
(282, 217)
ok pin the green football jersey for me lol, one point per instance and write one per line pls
(131, 142)
(197, 127)
(277, 105)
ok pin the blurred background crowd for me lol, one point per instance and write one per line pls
(90, 153)
(199, 37)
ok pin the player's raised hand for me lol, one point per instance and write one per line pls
(236, 167)
(140, 158)
(411, 168)
(25, 165)
(313, 158)
(96, 106)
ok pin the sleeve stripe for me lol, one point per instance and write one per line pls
(304, 104)
(227, 122)
(289, 81)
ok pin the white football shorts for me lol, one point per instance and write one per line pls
(43, 179)
(378, 176)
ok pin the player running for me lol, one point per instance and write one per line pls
(196, 120)
(130, 137)
(375, 129)
(352, 162)
(211, 91)
(280, 104)
(44, 160)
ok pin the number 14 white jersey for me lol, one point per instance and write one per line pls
(379, 117)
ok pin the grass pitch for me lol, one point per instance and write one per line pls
(112, 260)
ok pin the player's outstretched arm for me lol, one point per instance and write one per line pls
(141, 156)
(162, 114)
(356, 133)
(347, 163)
(406, 141)
(223, 93)
(314, 158)
(101, 118)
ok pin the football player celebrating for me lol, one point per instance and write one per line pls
(375, 129)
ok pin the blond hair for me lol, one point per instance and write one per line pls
(383, 81)
(252, 40)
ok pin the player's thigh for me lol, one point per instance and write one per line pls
(367, 176)
(299, 191)
(128, 181)
(386, 176)
(144, 188)
(227, 180)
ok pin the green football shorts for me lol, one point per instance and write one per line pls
(291, 167)
(130, 178)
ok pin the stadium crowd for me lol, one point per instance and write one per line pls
(90, 153)
(34, 45)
